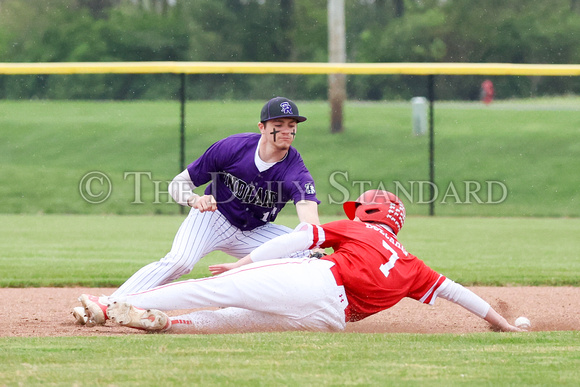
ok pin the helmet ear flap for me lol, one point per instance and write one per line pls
(349, 209)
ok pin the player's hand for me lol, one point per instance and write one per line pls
(499, 323)
(222, 268)
(510, 328)
(203, 203)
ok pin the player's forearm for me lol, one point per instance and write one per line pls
(279, 247)
(282, 246)
(307, 211)
(244, 261)
(458, 294)
(181, 188)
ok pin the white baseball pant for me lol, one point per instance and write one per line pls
(199, 234)
(275, 295)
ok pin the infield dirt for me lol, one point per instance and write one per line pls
(41, 312)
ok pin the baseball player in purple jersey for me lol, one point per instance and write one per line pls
(253, 176)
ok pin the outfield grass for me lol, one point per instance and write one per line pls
(98, 251)
(529, 146)
(295, 359)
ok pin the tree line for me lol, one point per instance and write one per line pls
(513, 31)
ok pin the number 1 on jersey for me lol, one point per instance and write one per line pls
(386, 267)
(267, 215)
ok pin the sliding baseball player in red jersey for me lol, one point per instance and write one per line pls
(368, 272)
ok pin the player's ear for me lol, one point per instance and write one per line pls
(262, 126)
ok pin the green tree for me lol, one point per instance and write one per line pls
(530, 31)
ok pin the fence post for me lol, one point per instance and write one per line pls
(182, 131)
(431, 96)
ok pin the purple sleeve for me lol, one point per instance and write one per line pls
(302, 184)
(211, 161)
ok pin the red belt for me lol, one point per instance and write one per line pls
(336, 274)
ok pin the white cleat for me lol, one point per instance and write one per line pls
(95, 310)
(125, 314)
(80, 315)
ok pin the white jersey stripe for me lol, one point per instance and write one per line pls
(433, 288)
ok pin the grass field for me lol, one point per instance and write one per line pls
(529, 147)
(51, 236)
(95, 250)
(295, 359)
(100, 251)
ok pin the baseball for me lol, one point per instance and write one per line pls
(523, 323)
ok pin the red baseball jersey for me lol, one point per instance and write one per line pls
(376, 270)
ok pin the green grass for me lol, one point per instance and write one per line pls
(530, 239)
(530, 146)
(295, 359)
(95, 250)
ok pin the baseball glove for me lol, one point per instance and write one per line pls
(317, 254)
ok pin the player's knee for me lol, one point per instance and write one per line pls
(178, 265)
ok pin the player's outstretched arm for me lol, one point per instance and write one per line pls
(458, 294)
(280, 247)
(223, 267)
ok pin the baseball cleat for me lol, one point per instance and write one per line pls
(80, 315)
(95, 310)
(127, 315)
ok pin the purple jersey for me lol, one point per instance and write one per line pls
(247, 197)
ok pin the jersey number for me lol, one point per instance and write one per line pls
(386, 267)
(267, 215)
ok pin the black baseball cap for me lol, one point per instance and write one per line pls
(280, 107)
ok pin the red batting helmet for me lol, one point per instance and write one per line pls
(377, 206)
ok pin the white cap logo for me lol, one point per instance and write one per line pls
(286, 108)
